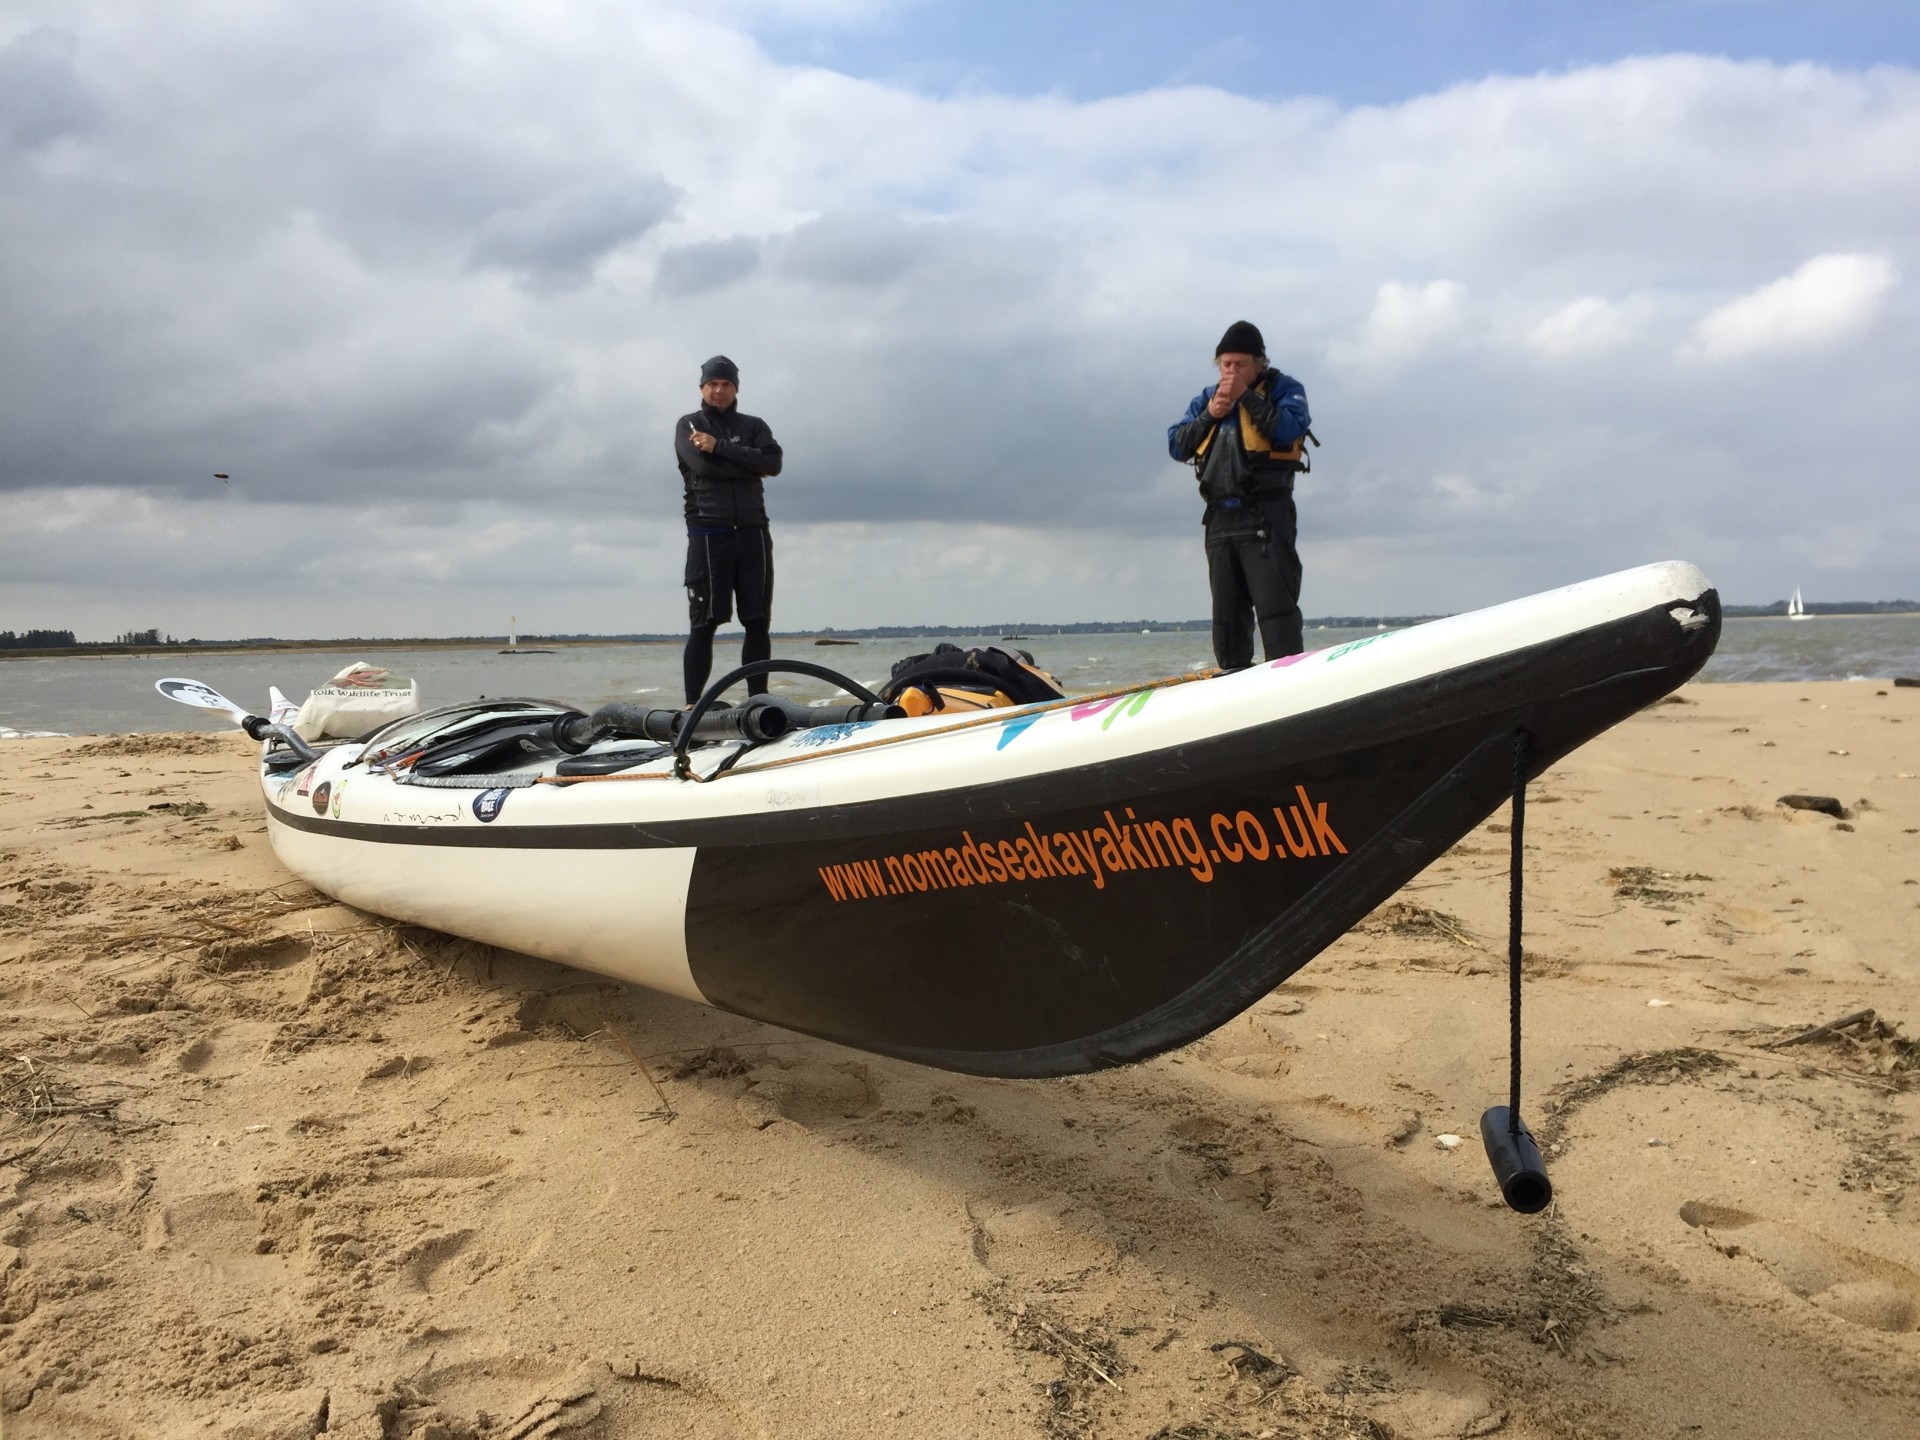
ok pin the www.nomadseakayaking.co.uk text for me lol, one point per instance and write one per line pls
(1096, 853)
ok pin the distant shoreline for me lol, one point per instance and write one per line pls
(271, 647)
(888, 632)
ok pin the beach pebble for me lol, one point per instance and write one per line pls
(1447, 1142)
(1656, 1142)
(1657, 1002)
(1825, 804)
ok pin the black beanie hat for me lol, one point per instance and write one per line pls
(1242, 338)
(719, 368)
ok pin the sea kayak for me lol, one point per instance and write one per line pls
(1031, 891)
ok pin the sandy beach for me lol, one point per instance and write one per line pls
(270, 1167)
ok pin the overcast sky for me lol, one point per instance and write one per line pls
(430, 283)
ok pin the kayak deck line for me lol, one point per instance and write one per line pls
(996, 716)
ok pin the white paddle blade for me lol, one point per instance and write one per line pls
(201, 696)
(283, 711)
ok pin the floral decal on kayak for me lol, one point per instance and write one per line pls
(1114, 708)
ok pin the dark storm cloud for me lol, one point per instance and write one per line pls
(707, 266)
(430, 426)
(559, 238)
(861, 248)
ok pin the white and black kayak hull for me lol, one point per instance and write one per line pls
(1060, 889)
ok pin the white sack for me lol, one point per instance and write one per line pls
(359, 699)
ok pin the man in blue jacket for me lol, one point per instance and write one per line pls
(1243, 436)
(723, 456)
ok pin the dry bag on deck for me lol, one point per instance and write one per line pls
(982, 677)
(356, 702)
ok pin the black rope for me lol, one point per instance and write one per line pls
(1515, 911)
(683, 740)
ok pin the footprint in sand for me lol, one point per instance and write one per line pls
(422, 1261)
(807, 1093)
(68, 1173)
(1212, 1157)
(537, 1397)
(221, 1227)
(449, 1167)
(80, 1190)
(1261, 1042)
(247, 954)
(1852, 1284)
(1037, 1242)
(225, 1050)
(194, 1056)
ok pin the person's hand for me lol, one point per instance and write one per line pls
(703, 442)
(1223, 400)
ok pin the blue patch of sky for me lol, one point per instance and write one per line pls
(1350, 51)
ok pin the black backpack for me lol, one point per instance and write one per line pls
(982, 668)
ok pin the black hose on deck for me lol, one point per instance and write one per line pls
(762, 718)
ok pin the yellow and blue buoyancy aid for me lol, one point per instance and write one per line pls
(1252, 443)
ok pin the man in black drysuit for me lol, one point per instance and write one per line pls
(723, 457)
(1243, 436)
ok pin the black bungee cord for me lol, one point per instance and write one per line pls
(1511, 1148)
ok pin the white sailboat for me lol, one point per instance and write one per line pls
(1796, 608)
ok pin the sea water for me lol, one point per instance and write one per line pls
(111, 694)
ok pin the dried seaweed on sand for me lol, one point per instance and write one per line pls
(1864, 1041)
(1658, 888)
(1420, 922)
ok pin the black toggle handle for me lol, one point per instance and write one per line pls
(1516, 1161)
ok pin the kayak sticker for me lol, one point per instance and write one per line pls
(488, 804)
(305, 777)
(1352, 645)
(1012, 730)
(339, 794)
(828, 734)
(1099, 852)
(322, 793)
(1120, 705)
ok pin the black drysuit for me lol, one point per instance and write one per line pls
(729, 549)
